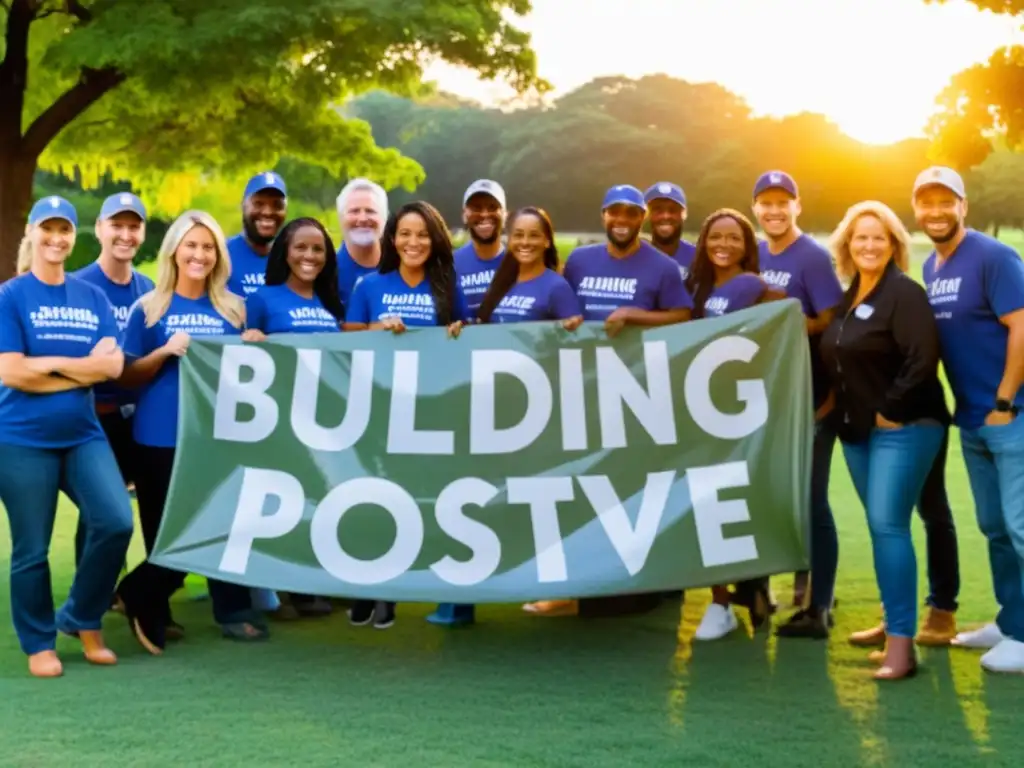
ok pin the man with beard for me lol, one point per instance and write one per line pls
(794, 263)
(976, 288)
(483, 212)
(263, 211)
(120, 230)
(362, 211)
(626, 281)
(666, 213)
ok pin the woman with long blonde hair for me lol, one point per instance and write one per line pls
(58, 338)
(190, 299)
(882, 355)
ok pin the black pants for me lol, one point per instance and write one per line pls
(940, 532)
(118, 430)
(147, 590)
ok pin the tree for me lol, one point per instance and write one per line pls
(994, 188)
(167, 92)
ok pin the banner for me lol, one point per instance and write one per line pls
(516, 462)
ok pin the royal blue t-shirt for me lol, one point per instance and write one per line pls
(350, 272)
(40, 320)
(121, 298)
(248, 268)
(684, 256)
(475, 274)
(380, 296)
(546, 297)
(647, 279)
(156, 415)
(739, 292)
(279, 309)
(982, 281)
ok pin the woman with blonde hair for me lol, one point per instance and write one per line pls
(190, 299)
(58, 338)
(882, 356)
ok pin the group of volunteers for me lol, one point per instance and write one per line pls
(89, 372)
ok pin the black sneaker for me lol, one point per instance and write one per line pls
(808, 623)
(361, 613)
(383, 615)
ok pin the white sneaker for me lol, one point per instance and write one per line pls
(1007, 657)
(988, 636)
(718, 621)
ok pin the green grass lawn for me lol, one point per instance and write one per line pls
(521, 691)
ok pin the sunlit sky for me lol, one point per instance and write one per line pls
(872, 66)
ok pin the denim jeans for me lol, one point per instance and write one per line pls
(30, 479)
(940, 536)
(995, 467)
(888, 471)
(824, 539)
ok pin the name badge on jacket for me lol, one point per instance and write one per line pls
(863, 311)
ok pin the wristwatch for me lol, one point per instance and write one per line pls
(1005, 406)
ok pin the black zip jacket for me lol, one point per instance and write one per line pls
(882, 356)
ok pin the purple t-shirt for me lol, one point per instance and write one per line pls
(738, 293)
(545, 297)
(982, 281)
(648, 280)
(684, 256)
(475, 274)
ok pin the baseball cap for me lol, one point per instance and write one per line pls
(624, 194)
(776, 180)
(940, 176)
(665, 190)
(123, 202)
(265, 180)
(485, 187)
(53, 207)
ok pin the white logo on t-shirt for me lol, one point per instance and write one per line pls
(777, 277)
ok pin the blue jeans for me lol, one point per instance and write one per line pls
(888, 471)
(824, 539)
(29, 482)
(995, 467)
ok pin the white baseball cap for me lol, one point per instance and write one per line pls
(485, 187)
(940, 176)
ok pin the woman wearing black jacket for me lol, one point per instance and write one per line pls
(882, 354)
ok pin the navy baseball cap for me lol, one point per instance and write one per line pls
(53, 207)
(776, 180)
(624, 194)
(123, 202)
(665, 190)
(263, 181)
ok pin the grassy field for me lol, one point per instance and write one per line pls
(521, 691)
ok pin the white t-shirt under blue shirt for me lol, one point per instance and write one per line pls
(980, 282)
(379, 296)
(279, 309)
(42, 320)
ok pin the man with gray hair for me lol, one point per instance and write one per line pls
(362, 212)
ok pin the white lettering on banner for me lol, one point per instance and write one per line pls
(484, 436)
(478, 537)
(543, 495)
(616, 385)
(571, 403)
(357, 401)
(697, 390)
(403, 437)
(250, 524)
(711, 515)
(232, 392)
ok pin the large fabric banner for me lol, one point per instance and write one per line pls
(516, 462)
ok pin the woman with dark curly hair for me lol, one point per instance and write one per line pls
(414, 286)
(725, 277)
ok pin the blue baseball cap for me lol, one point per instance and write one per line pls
(265, 180)
(53, 207)
(776, 180)
(624, 194)
(665, 190)
(123, 202)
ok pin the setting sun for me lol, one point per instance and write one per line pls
(874, 67)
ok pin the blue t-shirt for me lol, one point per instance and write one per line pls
(40, 320)
(380, 296)
(279, 309)
(739, 292)
(546, 297)
(475, 274)
(349, 273)
(982, 281)
(684, 256)
(648, 280)
(121, 298)
(156, 416)
(248, 268)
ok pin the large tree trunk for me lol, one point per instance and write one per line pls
(16, 175)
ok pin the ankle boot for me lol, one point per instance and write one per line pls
(937, 629)
(900, 659)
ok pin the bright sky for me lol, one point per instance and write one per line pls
(872, 66)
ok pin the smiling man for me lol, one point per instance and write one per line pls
(976, 289)
(483, 212)
(264, 206)
(362, 210)
(666, 214)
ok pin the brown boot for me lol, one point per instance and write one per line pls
(900, 659)
(869, 638)
(937, 629)
(45, 664)
(96, 651)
